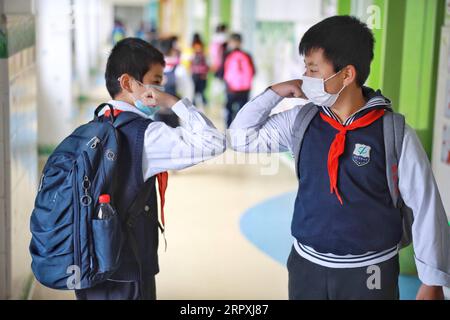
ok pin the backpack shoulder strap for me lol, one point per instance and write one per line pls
(100, 108)
(135, 207)
(120, 120)
(126, 117)
(393, 131)
(132, 213)
(301, 124)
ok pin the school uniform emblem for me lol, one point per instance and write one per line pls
(361, 154)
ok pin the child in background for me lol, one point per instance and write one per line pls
(199, 69)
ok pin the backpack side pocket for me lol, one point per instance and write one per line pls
(108, 241)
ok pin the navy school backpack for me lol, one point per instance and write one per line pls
(70, 248)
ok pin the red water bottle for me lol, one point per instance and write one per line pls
(106, 211)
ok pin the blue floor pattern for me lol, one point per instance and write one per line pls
(267, 226)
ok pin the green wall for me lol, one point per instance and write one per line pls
(207, 24)
(225, 12)
(344, 7)
(393, 51)
(377, 67)
(225, 7)
(423, 22)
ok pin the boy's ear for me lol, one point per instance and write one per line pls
(349, 74)
(125, 83)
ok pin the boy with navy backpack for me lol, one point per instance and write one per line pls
(237, 72)
(116, 159)
(366, 188)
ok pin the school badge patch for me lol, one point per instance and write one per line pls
(361, 154)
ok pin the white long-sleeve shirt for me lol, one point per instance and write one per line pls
(166, 148)
(430, 229)
(255, 130)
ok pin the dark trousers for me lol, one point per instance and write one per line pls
(235, 101)
(120, 290)
(199, 89)
(310, 281)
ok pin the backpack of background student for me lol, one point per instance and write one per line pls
(199, 67)
(238, 71)
(70, 248)
(393, 131)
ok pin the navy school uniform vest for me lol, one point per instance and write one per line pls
(368, 220)
(130, 183)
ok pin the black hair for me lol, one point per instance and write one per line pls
(345, 41)
(133, 56)
(197, 39)
(221, 28)
(236, 37)
(167, 44)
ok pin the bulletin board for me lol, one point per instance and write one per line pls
(441, 141)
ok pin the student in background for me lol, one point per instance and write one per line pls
(172, 59)
(118, 33)
(237, 71)
(199, 69)
(217, 47)
(141, 32)
(217, 50)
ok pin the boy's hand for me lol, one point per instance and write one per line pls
(289, 89)
(430, 293)
(153, 97)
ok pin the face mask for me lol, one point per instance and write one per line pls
(314, 90)
(149, 111)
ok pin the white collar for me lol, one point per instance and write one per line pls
(374, 102)
(123, 106)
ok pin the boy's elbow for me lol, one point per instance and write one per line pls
(238, 139)
(235, 145)
(231, 141)
(218, 146)
(237, 148)
(221, 147)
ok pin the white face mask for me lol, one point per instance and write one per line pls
(314, 90)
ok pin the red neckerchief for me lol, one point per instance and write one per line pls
(338, 145)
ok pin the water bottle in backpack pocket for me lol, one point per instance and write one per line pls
(107, 236)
